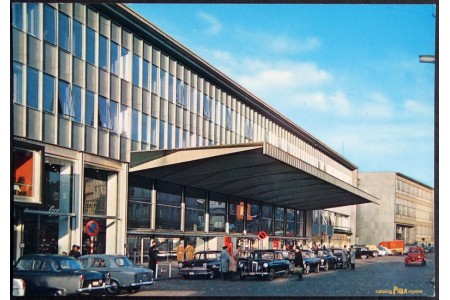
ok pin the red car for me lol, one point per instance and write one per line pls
(416, 255)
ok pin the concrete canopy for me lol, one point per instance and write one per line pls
(257, 171)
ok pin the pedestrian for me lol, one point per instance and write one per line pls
(75, 252)
(298, 262)
(344, 257)
(180, 252)
(224, 258)
(64, 253)
(352, 257)
(152, 258)
(234, 259)
(190, 251)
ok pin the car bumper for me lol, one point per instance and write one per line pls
(142, 283)
(91, 288)
(195, 272)
(254, 273)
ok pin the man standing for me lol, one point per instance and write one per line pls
(190, 251)
(234, 259)
(298, 262)
(75, 252)
(180, 252)
(224, 262)
(152, 258)
(352, 257)
(344, 258)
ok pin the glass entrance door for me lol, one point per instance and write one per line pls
(40, 234)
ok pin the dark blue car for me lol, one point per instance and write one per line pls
(264, 263)
(327, 259)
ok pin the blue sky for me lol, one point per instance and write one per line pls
(348, 74)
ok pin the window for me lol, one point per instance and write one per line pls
(253, 218)
(103, 112)
(155, 79)
(290, 225)
(248, 129)
(95, 192)
(33, 19)
(199, 100)
(49, 93)
(145, 128)
(195, 210)
(23, 172)
(171, 86)
(163, 83)
(49, 24)
(192, 99)
(126, 64)
(89, 109)
(153, 132)
(168, 206)
(63, 31)
(32, 87)
(206, 106)
(114, 116)
(136, 70)
(145, 73)
(103, 53)
(266, 219)
(228, 123)
(135, 127)
(17, 15)
(236, 216)
(66, 107)
(90, 46)
(76, 96)
(169, 135)
(139, 204)
(299, 223)
(181, 93)
(162, 126)
(114, 63)
(279, 221)
(217, 213)
(77, 39)
(125, 114)
(17, 82)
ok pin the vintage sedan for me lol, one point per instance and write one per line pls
(124, 274)
(18, 288)
(57, 275)
(310, 261)
(268, 263)
(415, 256)
(363, 252)
(205, 263)
(327, 259)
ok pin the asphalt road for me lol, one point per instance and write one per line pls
(375, 277)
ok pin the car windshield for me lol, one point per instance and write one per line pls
(263, 255)
(69, 264)
(209, 255)
(123, 261)
(338, 252)
(322, 253)
(308, 254)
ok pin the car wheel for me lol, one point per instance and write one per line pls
(326, 267)
(271, 275)
(363, 256)
(243, 277)
(186, 276)
(307, 269)
(317, 269)
(286, 273)
(424, 263)
(133, 290)
(114, 289)
(211, 275)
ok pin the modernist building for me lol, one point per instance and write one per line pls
(405, 212)
(114, 121)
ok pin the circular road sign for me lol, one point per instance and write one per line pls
(262, 235)
(92, 228)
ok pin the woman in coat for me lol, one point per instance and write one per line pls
(298, 261)
(224, 262)
(352, 257)
(234, 259)
(180, 253)
(344, 258)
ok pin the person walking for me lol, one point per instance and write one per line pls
(224, 258)
(298, 262)
(190, 251)
(344, 258)
(352, 257)
(234, 259)
(152, 258)
(180, 252)
(75, 252)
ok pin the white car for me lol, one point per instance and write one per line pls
(382, 251)
(18, 287)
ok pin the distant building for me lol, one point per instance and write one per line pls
(406, 210)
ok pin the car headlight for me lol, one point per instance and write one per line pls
(180, 265)
(241, 265)
(321, 260)
(205, 265)
(265, 265)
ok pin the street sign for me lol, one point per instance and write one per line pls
(92, 228)
(262, 235)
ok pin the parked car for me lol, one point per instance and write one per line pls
(18, 288)
(363, 252)
(374, 249)
(416, 256)
(383, 251)
(310, 261)
(205, 263)
(327, 259)
(429, 249)
(57, 275)
(268, 263)
(124, 273)
(338, 252)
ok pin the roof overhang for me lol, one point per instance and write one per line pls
(257, 171)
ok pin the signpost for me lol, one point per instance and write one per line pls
(92, 229)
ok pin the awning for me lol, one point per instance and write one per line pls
(258, 171)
